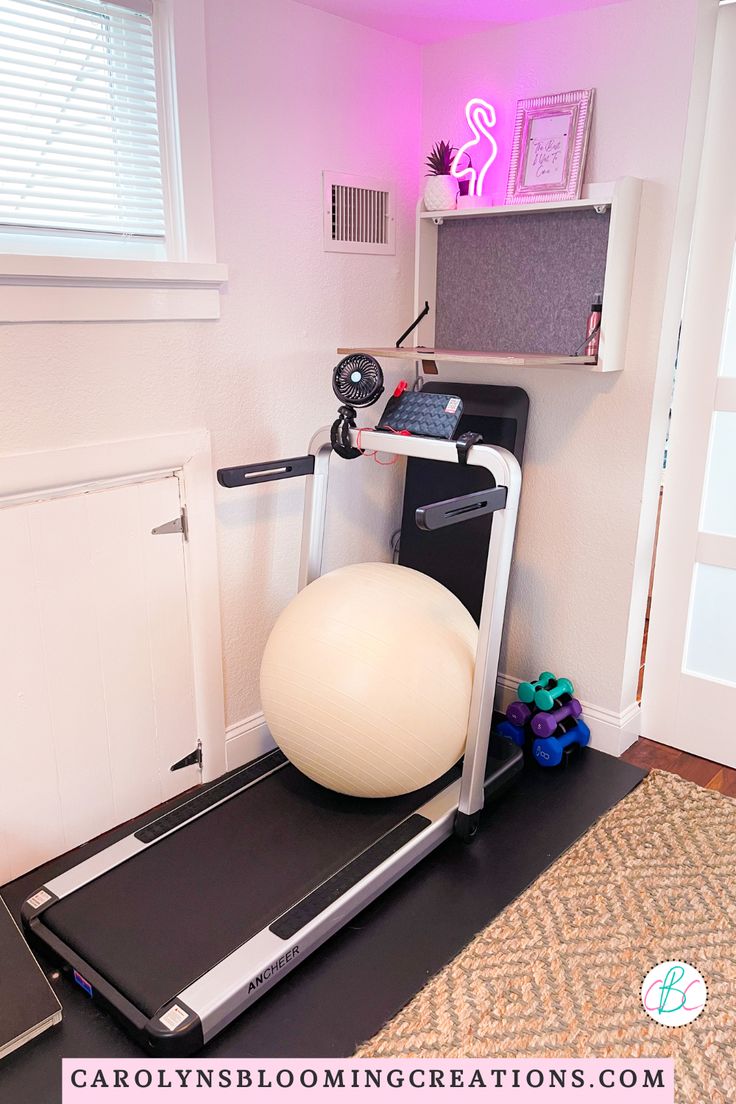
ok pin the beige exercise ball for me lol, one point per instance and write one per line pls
(366, 679)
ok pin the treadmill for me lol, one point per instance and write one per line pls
(178, 927)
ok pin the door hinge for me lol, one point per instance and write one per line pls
(178, 525)
(194, 758)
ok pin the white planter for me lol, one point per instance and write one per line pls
(440, 193)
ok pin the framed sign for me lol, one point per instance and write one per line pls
(550, 144)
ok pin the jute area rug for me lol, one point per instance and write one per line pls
(559, 972)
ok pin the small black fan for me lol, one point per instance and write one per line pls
(358, 380)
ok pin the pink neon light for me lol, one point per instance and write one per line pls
(481, 117)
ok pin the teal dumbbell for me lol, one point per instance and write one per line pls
(527, 690)
(545, 699)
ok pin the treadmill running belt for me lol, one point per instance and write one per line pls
(199, 893)
(330, 891)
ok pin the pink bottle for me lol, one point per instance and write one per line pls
(593, 328)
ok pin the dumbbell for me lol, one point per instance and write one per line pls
(518, 713)
(545, 699)
(527, 690)
(549, 751)
(544, 724)
(512, 732)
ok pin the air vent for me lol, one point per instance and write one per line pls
(359, 214)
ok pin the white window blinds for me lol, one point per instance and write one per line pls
(79, 135)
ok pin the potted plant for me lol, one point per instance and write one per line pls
(441, 187)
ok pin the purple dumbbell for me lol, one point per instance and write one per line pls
(545, 724)
(518, 713)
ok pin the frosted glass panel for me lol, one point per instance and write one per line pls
(719, 497)
(710, 649)
(728, 352)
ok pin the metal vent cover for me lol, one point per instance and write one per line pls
(358, 214)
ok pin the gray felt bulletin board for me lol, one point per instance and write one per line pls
(521, 282)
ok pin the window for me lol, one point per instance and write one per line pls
(104, 161)
(80, 151)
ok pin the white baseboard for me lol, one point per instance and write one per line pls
(610, 732)
(246, 740)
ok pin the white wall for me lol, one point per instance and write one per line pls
(292, 91)
(576, 555)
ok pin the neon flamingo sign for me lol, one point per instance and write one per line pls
(481, 117)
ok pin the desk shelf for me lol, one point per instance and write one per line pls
(461, 356)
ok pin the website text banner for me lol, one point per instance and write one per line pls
(516, 1081)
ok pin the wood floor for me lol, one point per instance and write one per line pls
(648, 754)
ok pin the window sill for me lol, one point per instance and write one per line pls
(82, 289)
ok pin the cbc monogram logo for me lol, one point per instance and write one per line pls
(674, 993)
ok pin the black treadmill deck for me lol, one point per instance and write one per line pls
(356, 981)
(158, 921)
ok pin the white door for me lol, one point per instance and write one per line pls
(96, 675)
(689, 695)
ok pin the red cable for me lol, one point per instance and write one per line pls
(373, 453)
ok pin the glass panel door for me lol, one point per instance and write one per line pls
(689, 695)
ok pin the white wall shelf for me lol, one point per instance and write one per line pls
(622, 199)
(601, 203)
(462, 356)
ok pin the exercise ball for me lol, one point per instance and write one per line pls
(366, 680)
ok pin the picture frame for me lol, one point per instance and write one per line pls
(549, 148)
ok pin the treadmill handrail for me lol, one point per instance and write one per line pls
(267, 471)
(506, 472)
(451, 511)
